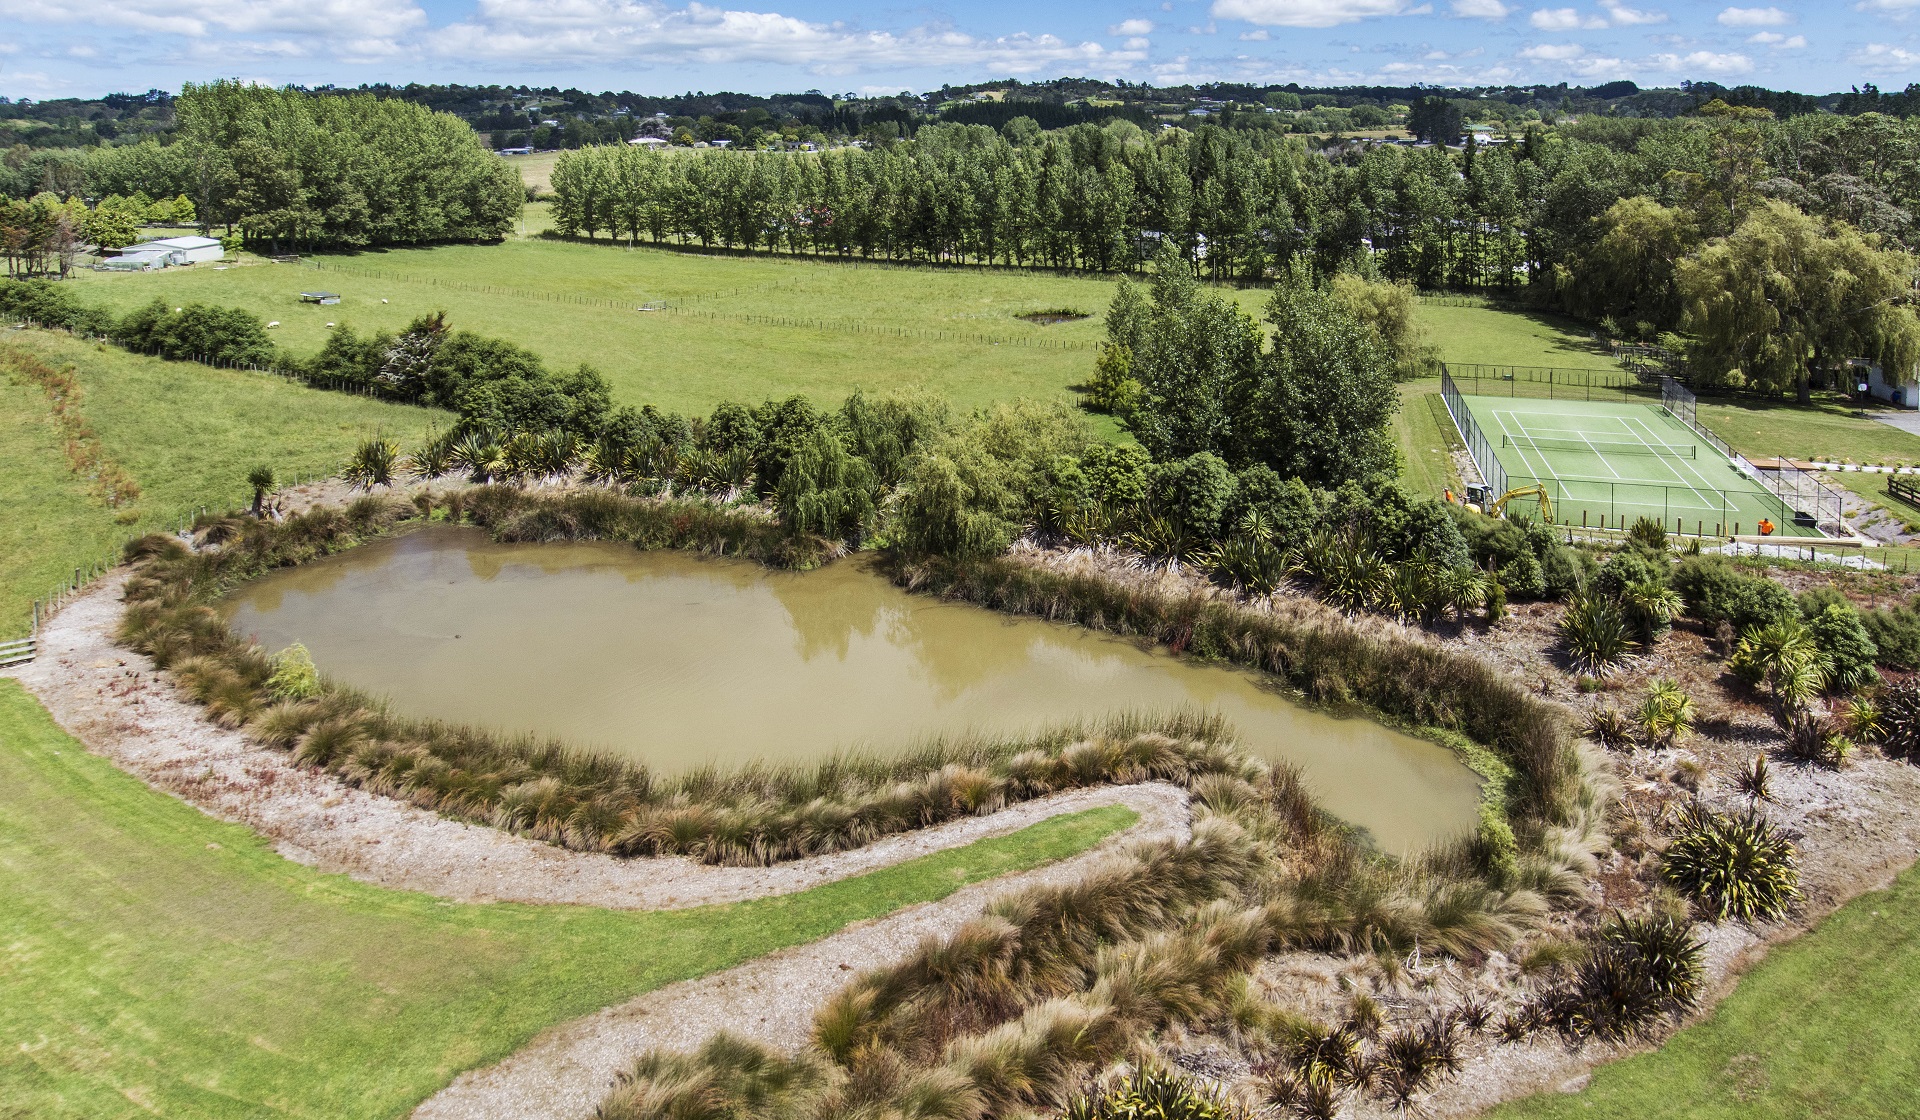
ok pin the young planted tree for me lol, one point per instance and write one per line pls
(261, 479)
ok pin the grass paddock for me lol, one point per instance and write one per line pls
(186, 433)
(162, 963)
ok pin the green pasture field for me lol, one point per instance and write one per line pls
(1824, 1027)
(1609, 463)
(160, 963)
(186, 433)
(1490, 336)
(736, 327)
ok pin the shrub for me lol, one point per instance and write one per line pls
(1733, 866)
(51, 305)
(1716, 591)
(294, 675)
(1846, 650)
(196, 332)
(1194, 492)
(1781, 655)
(827, 491)
(1649, 533)
(1895, 633)
(1665, 714)
(1811, 738)
(372, 463)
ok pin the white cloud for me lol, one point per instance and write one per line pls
(1753, 17)
(327, 19)
(1778, 41)
(1258, 35)
(1886, 6)
(570, 31)
(1553, 52)
(1480, 9)
(1885, 56)
(1563, 19)
(1623, 16)
(1310, 13)
(1132, 27)
(1702, 62)
(1137, 43)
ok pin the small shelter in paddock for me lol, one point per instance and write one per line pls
(324, 299)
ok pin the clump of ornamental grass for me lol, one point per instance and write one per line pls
(1639, 972)
(1153, 1093)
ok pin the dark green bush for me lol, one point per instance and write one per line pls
(1195, 492)
(1716, 591)
(1895, 632)
(1845, 647)
(51, 304)
(196, 332)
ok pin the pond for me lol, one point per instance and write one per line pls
(681, 661)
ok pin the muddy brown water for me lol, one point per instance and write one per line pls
(682, 661)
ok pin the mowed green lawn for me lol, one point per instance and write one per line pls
(186, 433)
(1510, 338)
(1824, 1027)
(1826, 429)
(157, 962)
(741, 327)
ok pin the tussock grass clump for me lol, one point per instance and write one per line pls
(751, 816)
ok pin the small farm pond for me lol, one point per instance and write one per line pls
(681, 661)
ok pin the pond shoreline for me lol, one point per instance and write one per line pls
(124, 709)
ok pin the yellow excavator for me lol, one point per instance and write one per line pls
(1499, 507)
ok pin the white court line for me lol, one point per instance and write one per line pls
(1500, 417)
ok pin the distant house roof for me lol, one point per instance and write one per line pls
(526, 151)
(647, 142)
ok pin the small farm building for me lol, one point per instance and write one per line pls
(184, 250)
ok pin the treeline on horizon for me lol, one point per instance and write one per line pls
(504, 112)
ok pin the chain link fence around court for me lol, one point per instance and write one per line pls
(1685, 510)
(1808, 499)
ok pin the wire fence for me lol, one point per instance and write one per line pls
(1808, 499)
(1546, 382)
(1478, 449)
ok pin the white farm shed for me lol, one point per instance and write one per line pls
(182, 250)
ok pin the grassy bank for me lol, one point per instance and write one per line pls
(1823, 1027)
(161, 963)
(1425, 434)
(185, 433)
(1828, 429)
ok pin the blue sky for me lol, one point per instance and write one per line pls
(55, 48)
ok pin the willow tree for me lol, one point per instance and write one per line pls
(1785, 294)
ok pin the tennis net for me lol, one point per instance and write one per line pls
(1601, 446)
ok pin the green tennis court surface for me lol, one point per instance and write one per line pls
(1607, 464)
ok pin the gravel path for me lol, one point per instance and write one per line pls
(562, 1074)
(115, 702)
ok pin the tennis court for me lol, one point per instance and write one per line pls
(1608, 463)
